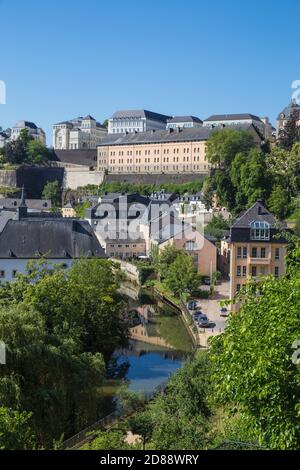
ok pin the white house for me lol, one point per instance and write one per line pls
(31, 237)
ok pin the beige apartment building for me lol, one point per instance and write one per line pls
(159, 151)
(255, 248)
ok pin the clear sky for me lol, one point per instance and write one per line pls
(65, 58)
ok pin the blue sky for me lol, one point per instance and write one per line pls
(64, 58)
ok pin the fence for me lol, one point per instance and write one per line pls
(86, 434)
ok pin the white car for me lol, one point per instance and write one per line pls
(224, 312)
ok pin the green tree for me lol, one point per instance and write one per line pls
(179, 417)
(181, 276)
(216, 226)
(223, 145)
(37, 152)
(252, 361)
(52, 191)
(108, 440)
(142, 425)
(167, 256)
(208, 191)
(15, 430)
(254, 179)
(58, 328)
(278, 202)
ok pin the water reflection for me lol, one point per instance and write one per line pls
(159, 342)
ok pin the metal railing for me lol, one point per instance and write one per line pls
(87, 434)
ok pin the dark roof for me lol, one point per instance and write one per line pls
(23, 124)
(258, 213)
(3, 134)
(77, 157)
(33, 204)
(89, 118)
(54, 238)
(140, 113)
(170, 135)
(232, 117)
(185, 119)
(288, 110)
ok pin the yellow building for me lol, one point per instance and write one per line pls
(255, 248)
(162, 151)
(68, 210)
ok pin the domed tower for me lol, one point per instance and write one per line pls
(286, 114)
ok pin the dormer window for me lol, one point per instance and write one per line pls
(260, 230)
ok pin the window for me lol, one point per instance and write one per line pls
(254, 253)
(253, 271)
(262, 252)
(260, 230)
(277, 253)
(239, 252)
(245, 252)
(14, 273)
(190, 245)
(276, 272)
(244, 271)
(238, 271)
(2, 273)
(238, 287)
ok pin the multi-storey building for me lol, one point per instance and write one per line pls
(139, 120)
(256, 248)
(285, 116)
(78, 134)
(34, 131)
(164, 151)
(184, 121)
(263, 125)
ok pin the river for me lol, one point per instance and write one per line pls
(158, 347)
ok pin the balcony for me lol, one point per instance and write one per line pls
(259, 261)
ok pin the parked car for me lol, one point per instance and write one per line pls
(224, 312)
(198, 315)
(204, 322)
(192, 305)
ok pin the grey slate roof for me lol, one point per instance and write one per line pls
(53, 238)
(140, 113)
(232, 117)
(170, 135)
(288, 110)
(23, 124)
(176, 119)
(257, 212)
(32, 204)
(89, 117)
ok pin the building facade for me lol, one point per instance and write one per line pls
(255, 248)
(55, 239)
(184, 121)
(78, 134)
(166, 151)
(285, 116)
(134, 121)
(34, 131)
